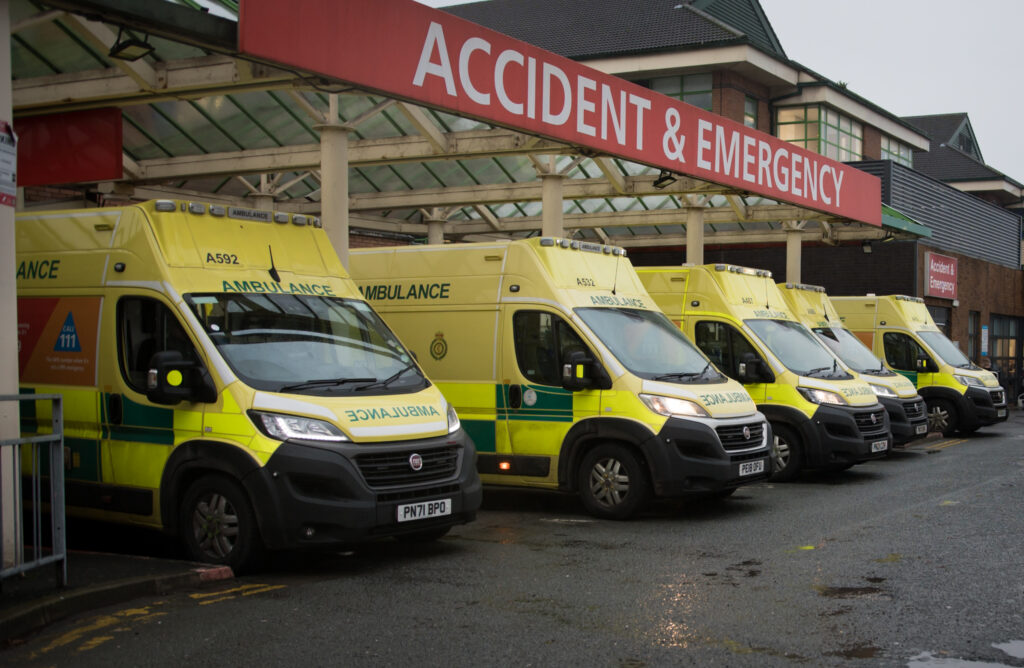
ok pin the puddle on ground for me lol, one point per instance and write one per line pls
(847, 592)
(857, 652)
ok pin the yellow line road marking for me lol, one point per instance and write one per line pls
(947, 444)
(234, 590)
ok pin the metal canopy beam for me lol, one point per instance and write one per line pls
(163, 19)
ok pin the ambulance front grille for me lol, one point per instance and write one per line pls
(388, 469)
(870, 423)
(914, 410)
(733, 437)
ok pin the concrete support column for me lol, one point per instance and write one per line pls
(551, 223)
(695, 235)
(334, 180)
(435, 230)
(794, 242)
(10, 500)
(262, 201)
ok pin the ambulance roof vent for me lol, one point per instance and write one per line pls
(217, 210)
(280, 217)
(164, 205)
(317, 223)
(746, 271)
(299, 219)
(196, 208)
(547, 242)
(805, 286)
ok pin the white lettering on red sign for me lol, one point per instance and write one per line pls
(560, 97)
(941, 276)
(412, 52)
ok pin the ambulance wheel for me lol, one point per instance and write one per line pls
(613, 482)
(788, 453)
(942, 417)
(218, 525)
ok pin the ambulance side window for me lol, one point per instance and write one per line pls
(541, 341)
(901, 351)
(146, 327)
(724, 345)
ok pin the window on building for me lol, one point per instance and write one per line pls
(897, 151)
(693, 89)
(941, 315)
(750, 112)
(822, 130)
(973, 335)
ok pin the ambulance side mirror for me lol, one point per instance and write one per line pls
(926, 365)
(581, 372)
(172, 379)
(753, 370)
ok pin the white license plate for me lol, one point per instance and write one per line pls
(879, 446)
(921, 429)
(1001, 412)
(750, 468)
(407, 512)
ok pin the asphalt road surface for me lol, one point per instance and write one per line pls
(916, 560)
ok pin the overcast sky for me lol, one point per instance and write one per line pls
(916, 57)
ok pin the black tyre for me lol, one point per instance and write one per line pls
(942, 417)
(789, 455)
(614, 483)
(218, 525)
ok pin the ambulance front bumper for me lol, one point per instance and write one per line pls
(846, 435)
(908, 418)
(696, 456)
(318, 496)
(984, 406)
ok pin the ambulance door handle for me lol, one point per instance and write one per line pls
(515, 396)
(115, 408)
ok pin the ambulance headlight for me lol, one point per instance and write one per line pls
(296, 428)
(453, 420)
(882, 390)
(968, 380)
(672, 407)
(816, 396)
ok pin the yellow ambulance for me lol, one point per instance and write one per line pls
(908, 419)
(822, 417)
(565, 373)
(960, 395)
(224, 380)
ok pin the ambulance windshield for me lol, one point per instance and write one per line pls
(305, 344)
(849, 348)
(649, 345)
(799, 351)
(946, 350)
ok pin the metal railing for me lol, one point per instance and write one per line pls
(28, 555)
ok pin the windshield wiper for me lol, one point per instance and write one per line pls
(387, 381)
(684, 374)
(324, 382)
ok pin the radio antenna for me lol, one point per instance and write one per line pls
(273, 270)
(615, 276)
